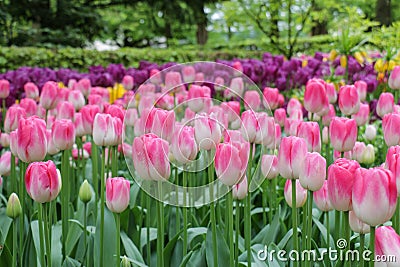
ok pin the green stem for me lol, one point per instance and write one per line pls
(85, 233)
(184, 212)
(114, 161)
(304, 229)
(14, 255)
(22, 218)
(4, 111)
(230, 227)
(118, 225)
(212, 211)
(102, 201)
(337, 224)
(266, 186)
(148, 214)
(362, 244)
(177, 215)
(346, 228)
(13, 177)
(64, 199)
(95, 170)
(294, 218)
(237, 232)
(47, 229)
(247, 216)
(160, 228)
(328, 235)
(372, 246)
(309, 235)
(41, 237)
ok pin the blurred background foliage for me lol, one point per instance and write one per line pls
(286, 27)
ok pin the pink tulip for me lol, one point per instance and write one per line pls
(96, 100)
(32, 141)
(219, 84)
(155, 76)
(343, 134)
(292, 153)
(173, 82)
(13, 116)
(236, 87)
(115, 111)
(252, 100)
(232, 108)
(327, 118)
(321, 198)
(48, 96)
(150, 157)
(315, 98)
(63, 134)
(310, 132)
(207, 132)
(131, 116)
(280, 116)
(362, 116)
(331, 92)
(5, 163)
(349, 100)
(265, 130)
(393, 164)
(188, 74)
(84, 86)
(104, 132)
(4, 140)
(391, 126)
(374, 195)
(278, 136)
(269, 166)
(361, 89)
(117, 194)
(4, 88)
(183, 144)
(160, 122)
(301, 193)
(128, 82)
(197, 97)
(31, 90)
(237, 65)
(78, 123)
(313, 173)
(42, 181)
(271, 98)
(387, 243)
(341, 177)
(357, 225)
(51, 147)
(358, 151)
(88, 113)
(239, 191)
(65, 110)
(14, 142)
(385, 104)
(30, 106)
(77, 99)
(293, 105)
(394, 78)
(231, 161)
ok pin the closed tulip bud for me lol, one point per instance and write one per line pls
(5, 163)
(239, 191)
(14, 143)
(117, 194)
(115, 111)
(391, 126)
(207, 131)
(321, 198)
(327, 118)
(231, 161)
(315, 98)
(51, 147)
(31, 139)
(362, 116)
(42, 181)
(280, 116)
(77, 99)
(4, 140)
(368, 156)
(313, 173)
(30, 106)
(65, 110)
(197, 97)
(341, 176)
(96, 100)
(236, 87)
(331, 92)
(394, 78)
(374, 196)
(252, 100)
(292, 153)
(31, 90)
(4, 88)
(269, 166)
(265, 130)
(131, 117)
(84, 86)
(188, 74)
(13, 116)
(349, 100)
(301, 193)
(361, 89)
(104, 132)
(387, 244)
(63, 134)
(78, 123)
(173, 82)
(13, 209)
(85, 192)
(325, 135)
(249, 125)
(125, 262)
(357, 225)
(293, 105)
(88, 113)
(385, 104)
(343, 134)
(128, 82)
(183, 146)
(271, 98)
(310, 132)
(48, 96)
(232, 108)
(370, 132)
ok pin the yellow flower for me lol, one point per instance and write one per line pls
(332, 55)
(358, 56)
(343, 61)
(304, 63)
(381, 76)
(61, 85)
(391, 65)
(379, 65)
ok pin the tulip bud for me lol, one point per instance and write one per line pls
(321, 198)
(349, 100)
(5, 140)
(269, 166)
(252, 100)
(385, 104)
(357, 225)
(293, 105)
(292, 153)
(313, 172)
(183, 145)
(4, 88)
(77, 99)
(13, 207)
(236, 87)
(331, 92)
(30, 106)
(325, 135)
(48, 96)
(63, 134)
(368, 156)
(301, 193)
(370, 132)
(387, 245)
(391, 126)
(197, 97)
(13, 116)
(394, 78)
(362, 116)
(361, 89)
(85, 192)
(31, 139)
(128, 82)
(309, 131)
(117, 194)
(31, 90)
(315, 98)
(125, 262)
(280, 116)
(84, 86)
(65, 110)
(271, 98)
(239, 191)
(104, 131)
(207, 131)
(343, 134)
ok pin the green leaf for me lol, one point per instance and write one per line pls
(222, 249)
(195, 232)
(56, 246)
(35, 236)
(143, 236)
(110, 233)
(70, 262)
(131, 250)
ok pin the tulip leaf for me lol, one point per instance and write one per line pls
(109, 248)
(323, 232)
(35, 236)
(269, 233)
(143, 236)
(131, 250)
(222, 249)
(195, 258)
(5, 223)
(194, 232)
(56, 246)
(5, 256)
(170, 247)
(69, 262)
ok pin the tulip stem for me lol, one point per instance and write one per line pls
(230, 227)
(328, 234)
(41, 238)
(266, 186)
(372, 246)
(177, 216)
(118, 225)
(310, 215)
(22, 218)
(85, 233)
(14, 255)
(95, 169)
(103, 166)
(294, 218)
(337, 224)
(347, 233)
(64, 199)
(148, 245)
(47, 229)
(212, 210)
(4, 111)
(237, 231)
(160, 230)
(247, 216)
(362, 241)
(12, 177)
(184, 212)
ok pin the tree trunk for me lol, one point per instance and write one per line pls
(201, 22)
(201, 33)
(383, 12)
